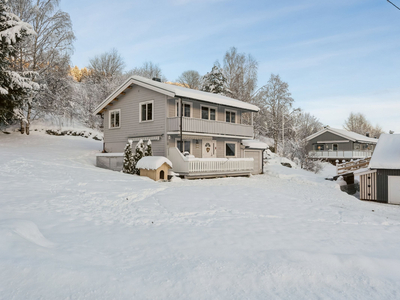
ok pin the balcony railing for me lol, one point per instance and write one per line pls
(208, 166)
(210, 127)
(341, 154)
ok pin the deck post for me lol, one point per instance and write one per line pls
(180, 126)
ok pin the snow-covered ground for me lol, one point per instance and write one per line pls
(69, 230)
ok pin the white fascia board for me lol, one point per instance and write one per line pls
(328, 130)
(369, 171)
(206, 134)
(124, 86)
(333, 142)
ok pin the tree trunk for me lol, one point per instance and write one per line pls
(22, 127)
(28, 118)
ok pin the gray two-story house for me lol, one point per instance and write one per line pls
(332, 144)
(201, 133)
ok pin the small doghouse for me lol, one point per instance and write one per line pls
(154, 167)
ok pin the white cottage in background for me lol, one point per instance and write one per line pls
(201, 133)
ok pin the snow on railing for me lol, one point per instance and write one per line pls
(182, 164)
(341, 154)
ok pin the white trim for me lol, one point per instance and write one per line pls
(332, 142)
(175, 91)
(227, 142)
(152, 111)
(231, 111)
(209, 114)
(369, 171)
(145, 138)
(179, 108)
(207, 134)
(361, 138)
(109, 118)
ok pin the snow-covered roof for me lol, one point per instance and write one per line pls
(152, 162)
(355, 137)
(176, 91)
(387, 153)
(254, 144)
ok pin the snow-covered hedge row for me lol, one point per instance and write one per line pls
(82, 133)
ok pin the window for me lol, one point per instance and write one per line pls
(186, 146)
(334, 147)
(319, 147)
(146, 111)
(115, 118)
(230, 116)
(208, 113)
(187, 108)
(230, 149)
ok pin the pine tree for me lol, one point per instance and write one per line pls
(128, 160)
(215, 82)
(14, 86)
(148, 151)
(138, 156)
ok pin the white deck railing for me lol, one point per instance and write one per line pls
(208, 126)
(187, 165)
(341, 154)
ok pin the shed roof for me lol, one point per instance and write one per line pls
(355, 137)
(387, 153)
(254, 144)
(176, 91)
(152, 162)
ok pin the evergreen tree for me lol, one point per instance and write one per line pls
(128, 166)
(148, 151)
(14, 86)
(139, 153)
(215, 82)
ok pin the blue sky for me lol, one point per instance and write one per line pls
(337, 56)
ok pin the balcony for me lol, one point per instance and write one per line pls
(209, 127)
(209, 167)
(341, 154)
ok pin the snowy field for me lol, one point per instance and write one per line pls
(69, 230)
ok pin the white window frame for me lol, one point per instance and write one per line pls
(208, 106)
(140, 111)
(109, 118)
(235, 149)
(191, 144)
(177, 108)
(231, 111)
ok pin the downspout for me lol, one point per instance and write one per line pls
(180, 127)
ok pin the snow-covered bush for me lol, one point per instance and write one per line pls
(148, 151)
(128, 166)
(139, 153)
(82, 133)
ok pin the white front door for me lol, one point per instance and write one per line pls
(209, 149)
(394, 189)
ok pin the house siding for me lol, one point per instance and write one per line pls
(328, 136)
(382, 184)
(115, 139)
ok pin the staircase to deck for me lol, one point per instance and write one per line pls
(352, 166)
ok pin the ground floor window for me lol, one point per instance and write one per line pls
(230, 149)
(186, 146)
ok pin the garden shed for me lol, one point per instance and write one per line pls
(381, 182)
(154, 167)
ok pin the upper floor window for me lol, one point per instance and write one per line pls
(208, 113)
(230, 116)
(334, 147)
(115, 118)
(187, 109)
(146, 111)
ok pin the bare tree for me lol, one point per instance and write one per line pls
(148, 70)
(357, 122)
(240, 71)
(190, 79)
(107, 65)
(275, 101)
(53, 39)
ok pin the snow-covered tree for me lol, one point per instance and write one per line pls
(148, 151)
(357, 122)
(190, 79)
(128, 166)
(215, 81)
(139, 153)
(148, 70)
(15, 86)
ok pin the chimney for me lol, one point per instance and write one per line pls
(367, 134)
(156, 79)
